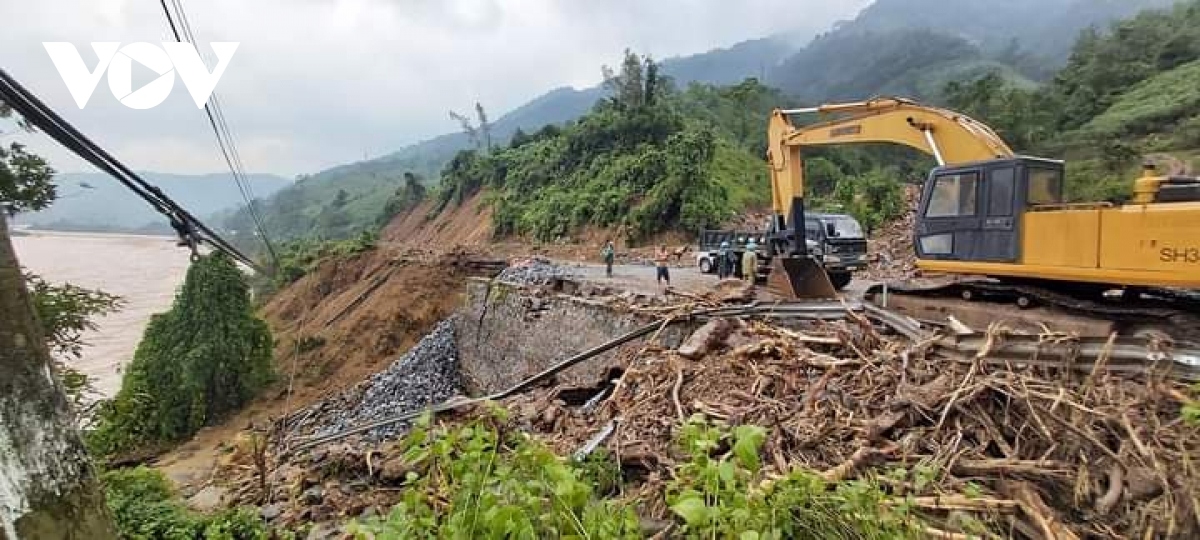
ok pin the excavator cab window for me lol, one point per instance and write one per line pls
(1045, 186)
(954, 194)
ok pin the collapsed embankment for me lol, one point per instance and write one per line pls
(340, 324)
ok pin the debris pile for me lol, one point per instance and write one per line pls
(533, 271)
(890, 247)
(1039, 452)
(427, 374)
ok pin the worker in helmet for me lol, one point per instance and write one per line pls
(723, 268)
(750, 262)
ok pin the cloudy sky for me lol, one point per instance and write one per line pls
(316, 83)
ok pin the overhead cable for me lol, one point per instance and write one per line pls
(190, 229)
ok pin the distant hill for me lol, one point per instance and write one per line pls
(97, 202)
(731, 65)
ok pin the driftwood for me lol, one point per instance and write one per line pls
(1043, 452)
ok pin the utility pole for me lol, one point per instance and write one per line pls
(48, 488)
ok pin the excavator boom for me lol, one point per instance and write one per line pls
(946, 135)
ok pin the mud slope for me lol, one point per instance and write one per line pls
(468, 224)
(351, 317)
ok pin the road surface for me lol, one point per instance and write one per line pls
(641, 278)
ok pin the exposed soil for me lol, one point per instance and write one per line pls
(469, 224)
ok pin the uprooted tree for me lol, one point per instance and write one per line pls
(201, 360)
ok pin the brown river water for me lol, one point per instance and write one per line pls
(144, 270)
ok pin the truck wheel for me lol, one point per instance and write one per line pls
(840, 280)
(706, 266)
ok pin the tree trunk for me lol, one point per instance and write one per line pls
(47, 486)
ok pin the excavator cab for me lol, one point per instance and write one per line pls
(973, 211)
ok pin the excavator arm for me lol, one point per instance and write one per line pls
(949, 137)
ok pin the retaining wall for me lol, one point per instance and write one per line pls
(507, 333)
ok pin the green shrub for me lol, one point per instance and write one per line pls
(477, 481)
(874, 198)
(481, 481)
(1152, 105)
(297, 258)
(199, 361)
(721, 492)
(144, 507)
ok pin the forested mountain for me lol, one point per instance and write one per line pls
(1046, 27)
(1125, 94)
(904, 47)
(97, 202)
(857, 65)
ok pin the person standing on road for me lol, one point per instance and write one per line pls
(661, 260)
(722, 255)
(750, 262)
(608, 253)
(730, 262)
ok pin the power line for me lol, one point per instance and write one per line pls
(225, 140)
(190, 229)
(220, 127)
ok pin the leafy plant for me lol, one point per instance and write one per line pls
(479, 481)
(65, 312)
(297, 258)
(145, 507)
(199, 361)
(721, 492)
(873, 198)
(648, 160)
(25, 180)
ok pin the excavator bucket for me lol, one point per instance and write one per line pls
(799, 277)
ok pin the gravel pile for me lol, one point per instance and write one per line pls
(427, 374)
(534, 271)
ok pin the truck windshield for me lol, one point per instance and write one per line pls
(845, 227)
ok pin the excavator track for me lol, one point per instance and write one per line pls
(1154, 312)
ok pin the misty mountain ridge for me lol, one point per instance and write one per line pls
(972, 29)
(97, 202)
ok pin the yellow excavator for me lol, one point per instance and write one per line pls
(987, 212)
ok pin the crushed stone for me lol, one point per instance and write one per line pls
(426, 375)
